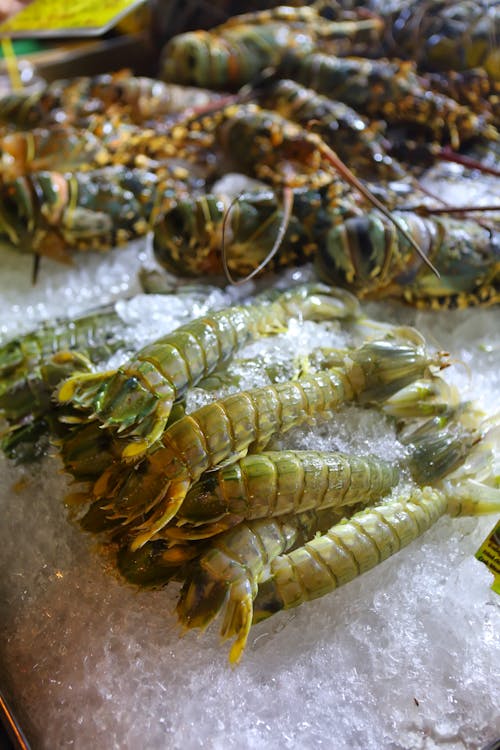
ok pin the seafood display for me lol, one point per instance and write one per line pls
(247, 420)
(347, 94)
(181, 450)
(202, 495)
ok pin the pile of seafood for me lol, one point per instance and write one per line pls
(332, 131)
(329, 135)
(203, 494)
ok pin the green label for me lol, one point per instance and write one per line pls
(489, 554)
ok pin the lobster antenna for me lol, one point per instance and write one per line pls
(446, 154)
(287, 212)
(427, 210)
(346, 173)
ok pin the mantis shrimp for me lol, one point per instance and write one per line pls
(226, 576)
(296, 481)
(31, 366)
(354, 546)
(136, 400)
(34, 364)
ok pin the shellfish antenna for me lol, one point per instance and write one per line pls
(346, 173)
(426, 210)
(287, 212)
(447, 154)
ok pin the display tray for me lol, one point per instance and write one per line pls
(407, 656)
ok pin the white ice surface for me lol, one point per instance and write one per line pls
(407, 656)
